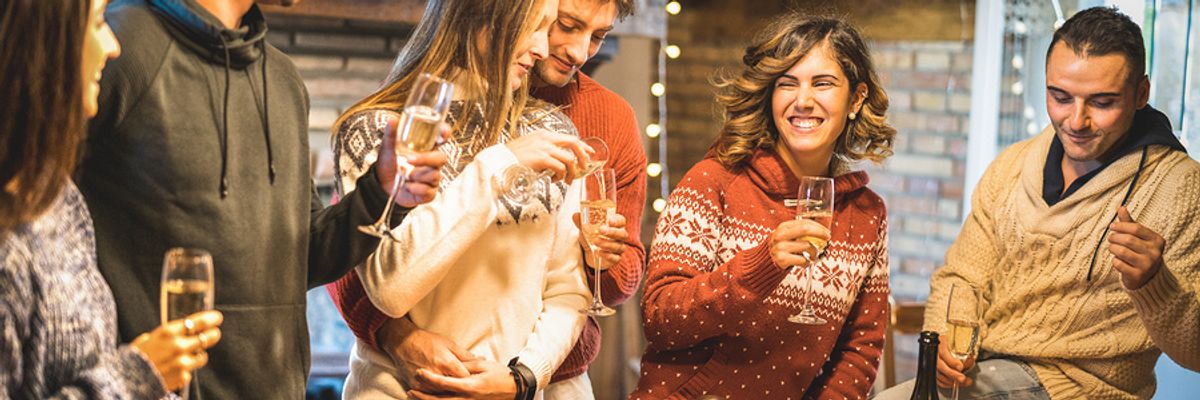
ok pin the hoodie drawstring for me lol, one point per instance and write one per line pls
(266, 114)
(225, 124)
(266, 121)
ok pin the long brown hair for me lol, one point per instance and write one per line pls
(745, 97)
(42, 128)
(447, 42)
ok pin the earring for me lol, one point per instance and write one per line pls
(853, 115)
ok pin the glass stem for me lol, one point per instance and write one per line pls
(596, 289)
(807, 284)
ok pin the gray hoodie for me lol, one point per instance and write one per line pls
(194, 147)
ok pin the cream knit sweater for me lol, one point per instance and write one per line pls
(1030, 261)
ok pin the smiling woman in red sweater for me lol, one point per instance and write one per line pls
(726, 266)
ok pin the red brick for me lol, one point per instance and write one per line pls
(951, 189)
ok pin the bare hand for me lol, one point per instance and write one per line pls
(175, 350)
(421, 185)
(788, 244)
(610, 245)
(488, 380)
(551, 151)
(950, 370)
(1137, 250)
(412, 348)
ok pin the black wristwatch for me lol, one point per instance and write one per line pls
(524, 378)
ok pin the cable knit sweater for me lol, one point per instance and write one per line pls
(58, 329)
(501, 280)
(1091, 339)
(596, 112)
(716, 306)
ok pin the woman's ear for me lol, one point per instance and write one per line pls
(860, 96)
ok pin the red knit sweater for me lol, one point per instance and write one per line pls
(716, 306)
(595, 111)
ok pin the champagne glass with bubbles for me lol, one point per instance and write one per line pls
(962, 317)
(597, 202)
(520, 182)
(814, 202)
(416, 132)
(187, 288)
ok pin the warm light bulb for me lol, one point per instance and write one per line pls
(659, 205)
(653, 130)
(672, 51)
(674, 8)
(653, 169)
(658, 89)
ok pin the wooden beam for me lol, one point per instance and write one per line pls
(401, 11)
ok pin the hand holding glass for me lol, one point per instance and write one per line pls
(519, 181)
(814, 202)
(597, 202)
(417, 132)
(962, 318)
(187, 288)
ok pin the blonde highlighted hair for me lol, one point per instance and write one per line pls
(471, 43)
(745, 96)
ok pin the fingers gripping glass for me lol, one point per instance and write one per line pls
(962, 317)
(416, 132)
(519, 182)
(597, 202)
(815, 203)
(186, 289)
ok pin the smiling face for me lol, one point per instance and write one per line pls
(810, 105)
(99, 46)
(575, 37)
(533, 47)
(1091, 101)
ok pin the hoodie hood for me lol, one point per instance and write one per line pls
(203, 33)
(236, 49)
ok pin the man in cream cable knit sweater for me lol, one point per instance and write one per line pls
(1081, 241)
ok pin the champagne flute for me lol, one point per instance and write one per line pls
(520, 181)
(187, 288)
(597, 202)
(962, 316)
(814, 202)
(416, 132)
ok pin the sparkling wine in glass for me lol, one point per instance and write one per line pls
(597, 202)
(814, 202)
(416, 132)
(187, 288)
(962, 318)
(520, 182)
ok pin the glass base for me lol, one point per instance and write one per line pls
(807, 317)
(374, 230)
(598, 310)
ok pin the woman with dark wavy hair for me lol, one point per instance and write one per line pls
(727, 266)
(58, 333)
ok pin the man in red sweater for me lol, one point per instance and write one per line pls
(596, 112)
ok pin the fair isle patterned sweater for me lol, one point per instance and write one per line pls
(716, 306)
(497, 278)
(58, 330)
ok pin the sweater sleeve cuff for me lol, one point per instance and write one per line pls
(540, 367)
(496, 158)
(1157, 293)
(759, 273)
(141, 379)
(375, 198)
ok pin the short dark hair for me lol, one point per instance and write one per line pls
(625, 8)
(41, 101)
(1099, 31)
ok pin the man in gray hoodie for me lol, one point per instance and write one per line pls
(202, 141)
